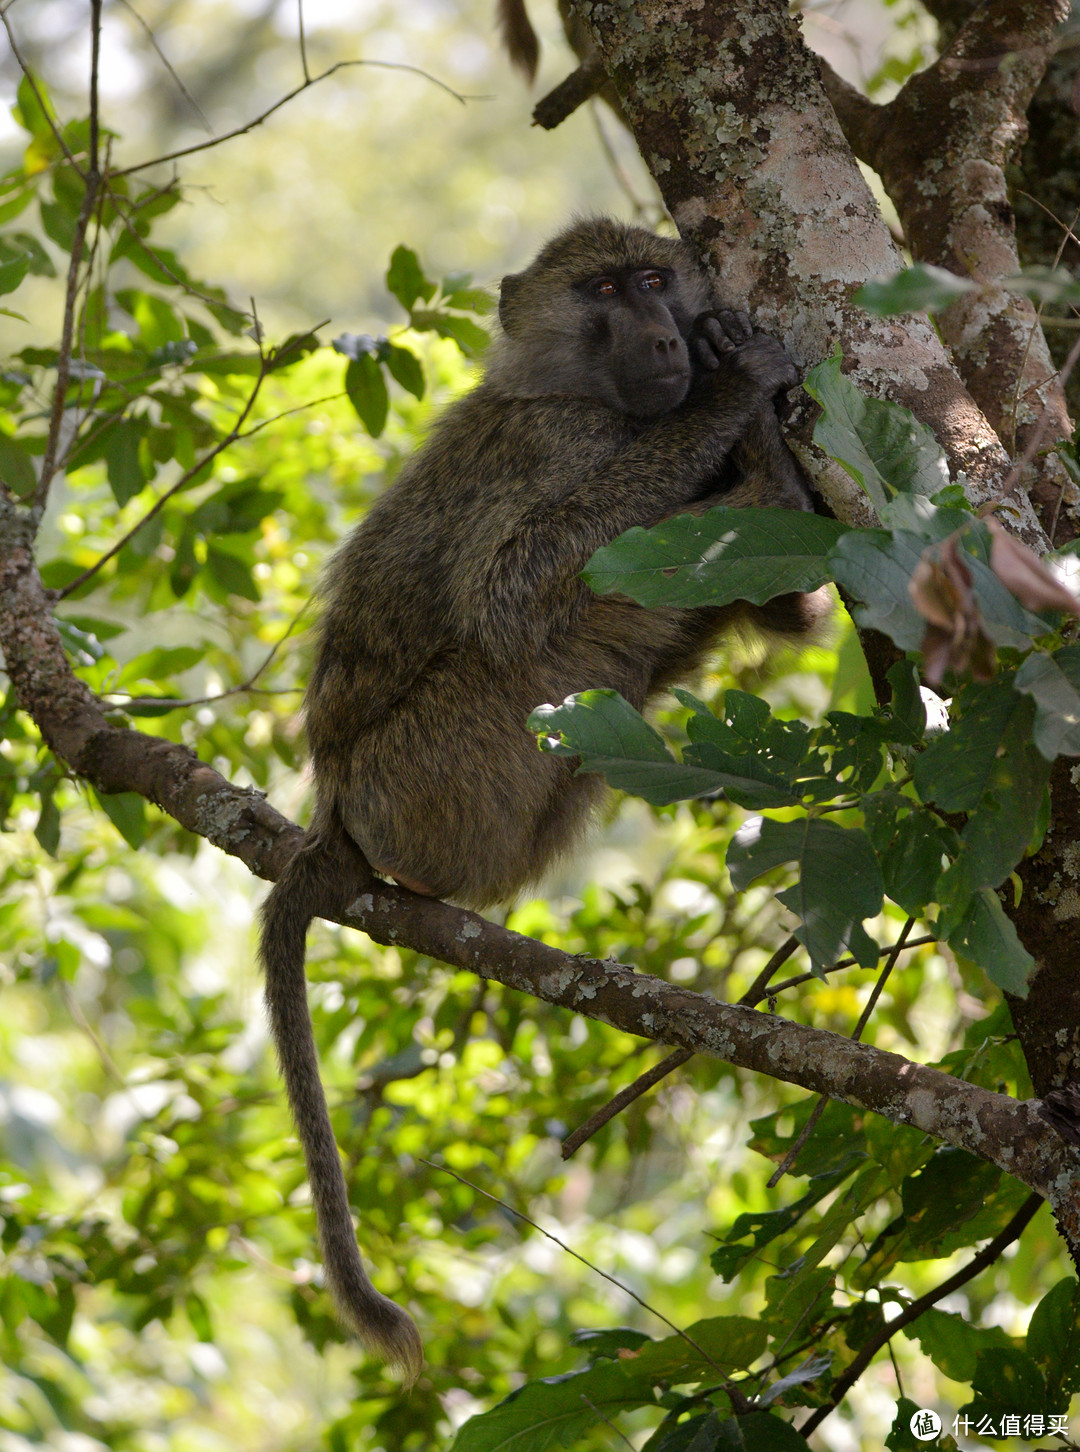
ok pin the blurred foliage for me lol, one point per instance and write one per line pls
(158, 1285)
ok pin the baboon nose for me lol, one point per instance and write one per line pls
(666, 344)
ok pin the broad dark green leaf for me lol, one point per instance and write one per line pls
(1053, 682)
(839, 884)
(405, 278)
(759, 1432)
(880, 444)
(912, 863)
(907, 703)
(366, 387)
(988, 938)
(1053, 1340)
(127, 812)
(405, 368)
(955, 769)
(123, 465)
(231, 570)
(613, 739)
(47, 830)
(875, 566)
(1000, 829)
(921, 288)
(715, 558)
(1006, 1380)
(952, 1343)
(949, 1189)
(555, 1412)
(16, 467)
(727, 1342)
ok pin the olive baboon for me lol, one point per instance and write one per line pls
(618, 394)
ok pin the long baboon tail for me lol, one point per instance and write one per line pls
(518, 36)
(324, 877)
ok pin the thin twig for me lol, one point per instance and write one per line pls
(185, 478)
(445, 1170)
(284, 100)
(95, 55)
(248, 685)
(759, 989)
(92, 179)
(644, 1082)
(607, 1421)
(24, 66)
(979, 1262)
(303, 41)
(163, 58)
(802, 978)
(625, 1096)
(864, 1018)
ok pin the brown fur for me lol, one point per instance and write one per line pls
(611, 399)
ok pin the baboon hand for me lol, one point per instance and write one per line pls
(767, 362)
(717, 333)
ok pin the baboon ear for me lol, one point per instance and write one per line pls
(509, 296)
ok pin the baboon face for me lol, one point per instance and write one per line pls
(630, 334)
(603, 312)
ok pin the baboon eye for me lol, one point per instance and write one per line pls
(604, 287)
(652, 279)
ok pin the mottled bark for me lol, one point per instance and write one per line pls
(941, 148)
(729, 110)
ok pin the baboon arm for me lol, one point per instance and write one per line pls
(526, 590)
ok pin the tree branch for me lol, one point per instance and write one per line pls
(1009, 1133)
(961, 121)
(979, 1262)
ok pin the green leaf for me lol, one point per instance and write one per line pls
(127, 812)
(875, 566)
(758, 1432)
(231, 571)
(15, 261)
(614, 740)
(1053, 1340)
(405, 278)
(880, 444)
(470, 337)
(157, 322)
(911, 864)
(555, 1412)
(839, 884)
(47, 830)
(406, 369)
(921, 288)
(1006, 1380)
(715, 558)
(16, 467)
(29, 112)
(998, 832)
(366, 387)
(952, 1343)
(1053, 682)
(949, 1189)
(988, 938)
(1045, 285)
(121, 450)
(955, 769)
